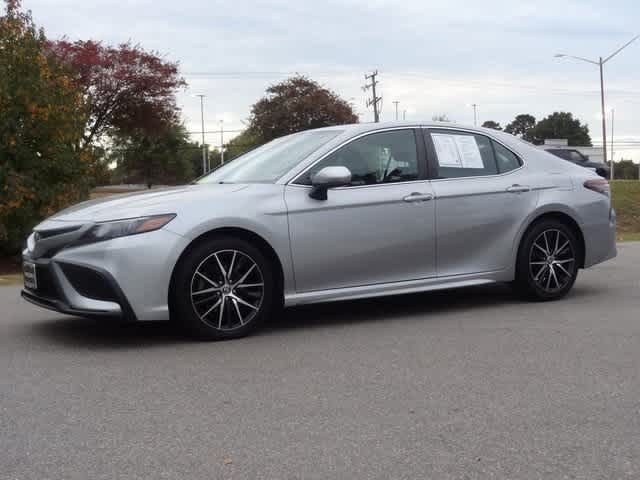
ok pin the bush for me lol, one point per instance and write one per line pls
(42, 168)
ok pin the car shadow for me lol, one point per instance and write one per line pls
(391, 308)
(109, 334)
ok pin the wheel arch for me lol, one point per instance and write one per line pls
(562, 216)
(246, 235)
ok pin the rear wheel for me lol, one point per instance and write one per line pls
(224, 289)
(547, 264)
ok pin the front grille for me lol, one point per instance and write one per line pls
(89, 283)
(46, 243)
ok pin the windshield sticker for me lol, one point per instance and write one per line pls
(457, 151)
(446, 150)
(469, 151)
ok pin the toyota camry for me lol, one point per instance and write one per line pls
(337, 213)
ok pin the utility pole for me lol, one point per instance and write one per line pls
(475, 114)
(404, 115)
(204, 147)
(613, 111)
(600, 62)
(221, 142)
(375, 100)
(396, 104)
(604, 115)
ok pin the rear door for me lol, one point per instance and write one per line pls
(482, 196)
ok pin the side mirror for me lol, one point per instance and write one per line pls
(329, 177)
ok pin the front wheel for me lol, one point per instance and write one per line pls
(223, 289)
(547, 264)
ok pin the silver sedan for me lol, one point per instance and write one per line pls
(338, 213)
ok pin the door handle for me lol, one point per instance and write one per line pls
(518, 188)
(418, 197)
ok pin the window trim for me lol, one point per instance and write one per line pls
(432, 157)
(421, 152)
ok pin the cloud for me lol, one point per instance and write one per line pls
(433, 56)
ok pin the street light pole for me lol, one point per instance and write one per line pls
(204, 147)
(396, 104)
(613, 112)
(604, 115)
(221, 142)
(475, 114)
(600, 62)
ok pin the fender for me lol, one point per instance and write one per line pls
(541, 210)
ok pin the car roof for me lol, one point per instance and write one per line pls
(371, 126)
(355, 129)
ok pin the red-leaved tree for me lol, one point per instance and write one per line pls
(297, 104)
(125, 88)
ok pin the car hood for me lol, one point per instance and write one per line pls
(137, 204)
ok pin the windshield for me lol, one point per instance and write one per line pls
(268, 163)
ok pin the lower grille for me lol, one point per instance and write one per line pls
(46, 282)
(89, 283)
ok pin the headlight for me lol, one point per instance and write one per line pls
(122, 228)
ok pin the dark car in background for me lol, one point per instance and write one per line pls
(574, 156)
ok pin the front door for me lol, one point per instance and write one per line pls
(379, 229)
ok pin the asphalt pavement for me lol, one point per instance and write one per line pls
(453, 385)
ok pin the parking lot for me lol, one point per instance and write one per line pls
(464, 384)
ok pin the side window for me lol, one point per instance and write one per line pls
(576, 156)
(505, 159)
(384, 157)
(561, 154)
(461, 154)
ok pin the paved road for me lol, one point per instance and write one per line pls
(463, 385)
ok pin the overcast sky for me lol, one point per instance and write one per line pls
(434, 57)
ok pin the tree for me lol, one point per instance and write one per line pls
(41, 122)
(522, 126)
(625, 170)
(247, 140)
(297, 104)
(124, 88)
(441, 117)
(165, 158)
(491, 124)
(562, 125)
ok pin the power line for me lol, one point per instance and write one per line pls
(468, 83)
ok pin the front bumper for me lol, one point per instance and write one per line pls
(125, 277)
(76, 289)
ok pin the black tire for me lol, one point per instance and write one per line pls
(547, 275)
(208, 258)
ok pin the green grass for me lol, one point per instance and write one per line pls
(626, 201)
(629, 237)
(10, 279)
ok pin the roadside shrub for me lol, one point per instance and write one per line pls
(42, 167)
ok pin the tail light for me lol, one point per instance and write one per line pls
(599, 185)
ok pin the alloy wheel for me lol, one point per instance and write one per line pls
(552, 261)
(227, 289)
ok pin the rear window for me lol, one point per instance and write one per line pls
(465, 154)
